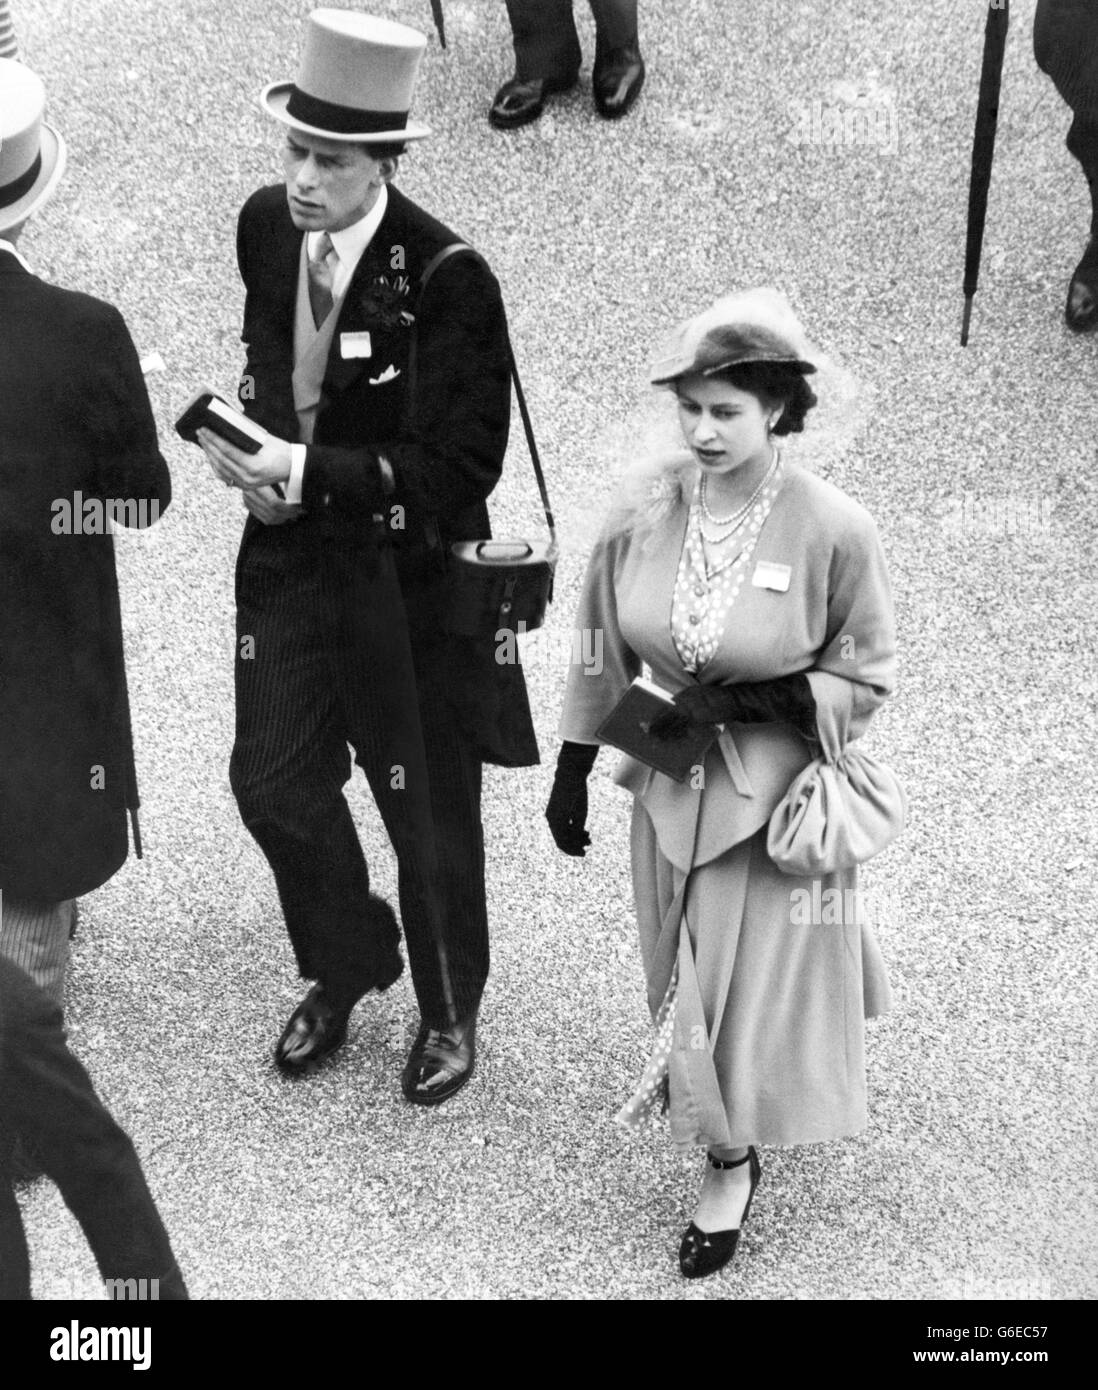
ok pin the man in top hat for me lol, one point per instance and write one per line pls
(78, 448)
(341, 581)
(547, 59)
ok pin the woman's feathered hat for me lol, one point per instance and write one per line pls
(749, 326)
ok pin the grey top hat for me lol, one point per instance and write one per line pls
(750, 326)
(32, 154)
(355, 81)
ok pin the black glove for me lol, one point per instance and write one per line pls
(567, 808)
(785, 699)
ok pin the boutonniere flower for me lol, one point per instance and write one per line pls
(383, 301)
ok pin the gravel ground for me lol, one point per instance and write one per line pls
(976, 1176)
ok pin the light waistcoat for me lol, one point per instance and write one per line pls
(311, 348)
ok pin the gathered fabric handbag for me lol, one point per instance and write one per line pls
(837, 813)
(497, 584)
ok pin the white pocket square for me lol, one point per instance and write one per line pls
(387, 375)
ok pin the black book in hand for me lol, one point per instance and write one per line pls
(628, 727)
(207, 410)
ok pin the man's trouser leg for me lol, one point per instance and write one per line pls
(35, 935)
(615, 22)
(455, 774)
(546, 43)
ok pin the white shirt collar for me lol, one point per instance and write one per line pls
(7, 246)
(352, 241)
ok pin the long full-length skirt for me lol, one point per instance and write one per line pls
(774, 977)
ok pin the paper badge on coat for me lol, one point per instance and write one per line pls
(769, 575)
(355, 345)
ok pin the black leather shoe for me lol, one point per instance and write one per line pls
(315, 1030)
(704, 1252)
(618, 79)
(440, 1062)
(317, 1027)
(519, 102)
(1081, 310)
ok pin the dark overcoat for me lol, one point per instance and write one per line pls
(445, 446)
(76, 433)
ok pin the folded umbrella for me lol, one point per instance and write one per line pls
(983, 147)
(440, 24)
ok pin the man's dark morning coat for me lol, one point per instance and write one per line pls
(76, 429)
(446, 447)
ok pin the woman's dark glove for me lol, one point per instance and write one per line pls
(786, 699)
(567, 808)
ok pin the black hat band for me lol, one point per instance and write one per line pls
(345, 120)
(12, 192)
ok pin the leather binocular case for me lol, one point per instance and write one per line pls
(496, 584)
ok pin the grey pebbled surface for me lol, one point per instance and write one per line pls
(976, 1176)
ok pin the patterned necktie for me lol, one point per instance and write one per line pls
(321, 272)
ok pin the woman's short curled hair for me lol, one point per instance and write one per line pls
(774, 383)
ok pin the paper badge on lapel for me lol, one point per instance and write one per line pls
(354, 345)
(769, 575)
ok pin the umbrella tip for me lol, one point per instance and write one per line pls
(966, 320)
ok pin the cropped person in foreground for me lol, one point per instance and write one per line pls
(47, 1098)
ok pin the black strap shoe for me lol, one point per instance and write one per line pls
(705, 1252)
(440, 1063)
(618, 79)
(520, 101)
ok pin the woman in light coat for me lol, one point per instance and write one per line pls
(757, 595)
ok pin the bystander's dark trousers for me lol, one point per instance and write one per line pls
(1082, 141)
(47, 1098)
(545, 38)
(1065, 43)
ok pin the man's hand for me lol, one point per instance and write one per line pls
(268, 507)
(238, 469)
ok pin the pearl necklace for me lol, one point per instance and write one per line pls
(737, 519)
